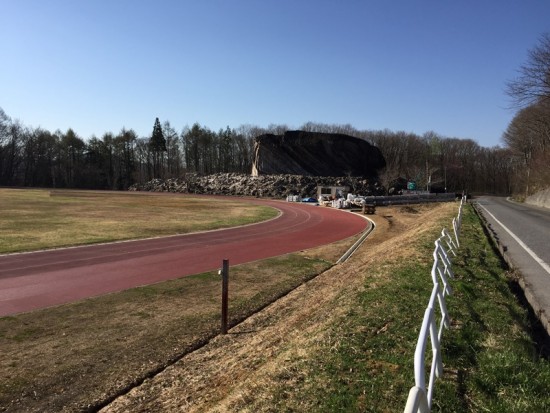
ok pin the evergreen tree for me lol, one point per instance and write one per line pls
(157, 145)
(157, 142)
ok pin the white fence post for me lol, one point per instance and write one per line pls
(417, 402)
(451, 244)
(420, 395)
(457, 222)
(456, 230)
(429, 328)
(442, 268)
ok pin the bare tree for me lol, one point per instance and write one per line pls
(10, 154)
(277, 129)
(4, 122)
(528, 136)
(533, 84)
(173, 151)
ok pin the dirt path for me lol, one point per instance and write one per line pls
(236, 371)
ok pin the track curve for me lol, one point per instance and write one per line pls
(30, 281)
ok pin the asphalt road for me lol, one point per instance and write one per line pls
(523, 232)
(31, 281)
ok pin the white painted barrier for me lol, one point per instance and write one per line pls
(451, 244)
(441, 268)
(433, 323)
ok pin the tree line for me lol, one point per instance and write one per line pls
(35, 157)
(528, 134)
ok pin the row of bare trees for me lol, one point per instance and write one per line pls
(39, 158)
(441, 164)
(528, 134)
(36, 157)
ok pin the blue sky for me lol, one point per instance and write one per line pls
(100, 65)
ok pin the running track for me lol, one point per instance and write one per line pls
(30, 281)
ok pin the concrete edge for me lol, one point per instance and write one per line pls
(525, 286)
(358, 243)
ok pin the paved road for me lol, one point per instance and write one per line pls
(524, 232)
(36, 280)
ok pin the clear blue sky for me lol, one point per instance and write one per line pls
(99, 65)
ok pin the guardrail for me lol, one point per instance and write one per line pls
(409, 199)
(433, 323)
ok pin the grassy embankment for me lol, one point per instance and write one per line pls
(495, 356)
(73, 356)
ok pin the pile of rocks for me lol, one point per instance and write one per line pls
(541, 199)
(269, 186)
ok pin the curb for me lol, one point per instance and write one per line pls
(357, 243)
(540, 312)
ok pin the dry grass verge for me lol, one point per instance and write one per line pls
(262, 364)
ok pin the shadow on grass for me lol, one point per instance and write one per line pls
(532, 326)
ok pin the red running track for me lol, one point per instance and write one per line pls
(30, 281)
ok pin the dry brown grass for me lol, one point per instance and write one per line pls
(39, 219)
(242, 371)
(71, 357)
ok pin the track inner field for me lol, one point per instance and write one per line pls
(42, 279)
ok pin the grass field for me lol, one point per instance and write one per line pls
(72, 357)
(40, 219)
(353, 354)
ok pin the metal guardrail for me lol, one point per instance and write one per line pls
(434, 322)
(409, 199)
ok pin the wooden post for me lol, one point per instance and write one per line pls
(225, 294)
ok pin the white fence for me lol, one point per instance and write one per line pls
(420, 395)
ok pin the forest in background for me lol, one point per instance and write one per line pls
(35, 157)
(528, 134)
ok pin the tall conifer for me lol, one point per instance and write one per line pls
(157, 145)
(157, 142)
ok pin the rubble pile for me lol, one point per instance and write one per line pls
(353, 201)
(269, 186)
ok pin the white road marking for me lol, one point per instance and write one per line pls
(544, 265)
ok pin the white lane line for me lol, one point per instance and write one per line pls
(544, 265)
